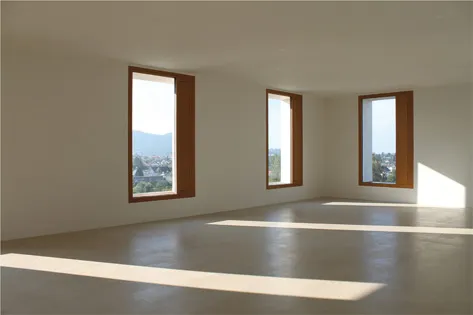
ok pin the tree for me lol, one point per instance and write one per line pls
(379, 170)
(274, 166)
(146, 187)
(392, 176)
(140, 188)
(162, 186)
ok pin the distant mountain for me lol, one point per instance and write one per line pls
(150, 144)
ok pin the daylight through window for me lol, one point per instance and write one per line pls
(159, 143)
(153, 134)
(386, 140)
(279, 137)
(284, 139)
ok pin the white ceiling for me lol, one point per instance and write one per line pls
(323, 47)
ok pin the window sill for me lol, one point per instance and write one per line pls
(144, 197)
(385, 185)
(282, 186)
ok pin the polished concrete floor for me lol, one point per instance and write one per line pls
(418, 271)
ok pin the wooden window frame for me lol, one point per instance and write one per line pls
(185, 136)
(296, 139)
(404, 139)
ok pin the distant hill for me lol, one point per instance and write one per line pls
(150, 144)
(274, 151)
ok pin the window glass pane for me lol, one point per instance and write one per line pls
(153, 125)
(379, 140)
(279, 140)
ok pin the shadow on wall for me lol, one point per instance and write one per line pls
(437, 190)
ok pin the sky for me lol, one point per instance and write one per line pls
(384, 126)
(153, 107)
(274, 123)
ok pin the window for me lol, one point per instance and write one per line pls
(161, 140)
(284, 139)
(386, 140)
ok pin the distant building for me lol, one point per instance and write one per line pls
(148, 176)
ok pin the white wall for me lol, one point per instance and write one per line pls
(64, 146)
(442, 142)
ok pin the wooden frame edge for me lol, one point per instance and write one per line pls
(169, 196)
(282, 93)
(282, 186)
(157, 72)
(370, 184)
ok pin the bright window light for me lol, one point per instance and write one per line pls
(279, 139)
(154, 120)
(379, 140)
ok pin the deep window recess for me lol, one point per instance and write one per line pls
(161, 142)
(386, 140)
(284, 139)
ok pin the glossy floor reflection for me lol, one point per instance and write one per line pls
(424, 273)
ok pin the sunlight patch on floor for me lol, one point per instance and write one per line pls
(347, 227)
(309, 288)
(370, 204)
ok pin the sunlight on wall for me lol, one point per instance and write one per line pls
(437, 190)
(348, 227)
(309, 288)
